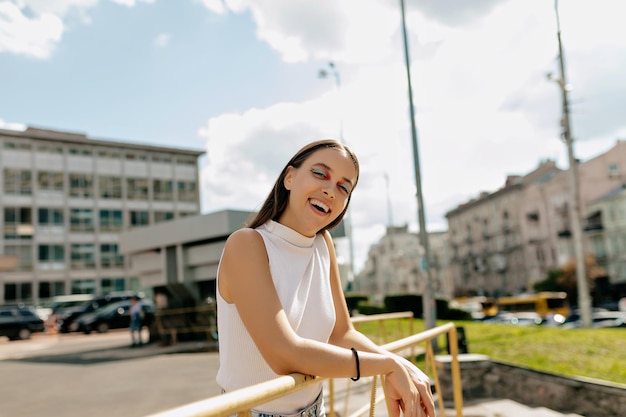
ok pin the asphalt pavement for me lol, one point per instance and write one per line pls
(101, 375)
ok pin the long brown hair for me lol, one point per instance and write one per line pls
(277, 200)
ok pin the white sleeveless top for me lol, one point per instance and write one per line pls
(300, 268)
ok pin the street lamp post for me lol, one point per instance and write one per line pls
(347, 220)
(429, 306)
(584, 303)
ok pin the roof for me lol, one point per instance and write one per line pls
(83, 139)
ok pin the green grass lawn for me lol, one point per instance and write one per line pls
(592, 353)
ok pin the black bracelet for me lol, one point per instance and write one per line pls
(358, 366)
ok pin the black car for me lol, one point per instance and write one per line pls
(113, 316)
(18, 322)
(67, 318)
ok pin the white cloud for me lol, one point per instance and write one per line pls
(162, 40)
(132, 3)
(20, 34)
(484, 106)
(12, 126)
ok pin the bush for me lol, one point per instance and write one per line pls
(369, 309)
(404, 302)
(353, 300)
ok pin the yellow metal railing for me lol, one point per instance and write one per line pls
(243, 400)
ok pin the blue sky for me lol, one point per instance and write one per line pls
(239, 79)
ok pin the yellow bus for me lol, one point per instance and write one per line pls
(479, 306)
(542, 303)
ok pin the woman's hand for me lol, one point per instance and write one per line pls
(403, 394)
(422, 383)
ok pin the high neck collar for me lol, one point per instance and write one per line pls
(288, 234)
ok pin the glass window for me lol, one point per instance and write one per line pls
(51, 257)
(109, 256)
(80, 151)
(82, 256)
(50, 148)
(50, 181)
(162, 216)
(81, 220)
(17, 181)
(139, 218)
(50, 216)
(81, 185)
(110, 187)
(20, 146)
(163, 190)
(49, 289)
(161, 158)
(84, 286)
(186, 191)
(109, 154)
(24, 255)
(113, 284)
(111, 220)
(18, 223)
(137, 188)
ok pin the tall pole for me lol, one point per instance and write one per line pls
(584, 303)
(347, 220)
(429, 307)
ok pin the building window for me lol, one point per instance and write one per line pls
(81, 220)
(14, 292)
(50, 217)
(109, 256)
(81, 185)
(163, 216)
(113, 284)
(186, 161)
(613, 170)
(50, 149)
(111, 220)
(110, 187)
(49, 289)
(137, 188)
(51, 257)
(139, 218)
(161, 158)
(84, 286)
(136, 157)
(162, 190)
(24, 255)
(109, 154)
(186, 191)
(80, 151)
(18, 223)
(18, 146)
(50, 181)
(82, 256)
(17, 181)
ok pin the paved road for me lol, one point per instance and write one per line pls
(100, 375)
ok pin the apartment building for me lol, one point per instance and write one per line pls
(65, 200)
(394, 265)
(504, 241)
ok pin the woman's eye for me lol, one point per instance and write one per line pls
(345, 188)
(319, 172)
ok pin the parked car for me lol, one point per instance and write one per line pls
(66, 321)
(519, 319)
(113, 316)
(18, 322)
(60, 303)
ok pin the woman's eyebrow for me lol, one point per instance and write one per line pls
(329, 169)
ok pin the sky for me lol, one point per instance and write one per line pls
(240, 80)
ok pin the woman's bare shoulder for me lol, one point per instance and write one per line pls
(244, 240)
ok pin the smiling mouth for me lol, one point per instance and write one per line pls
(319, 206)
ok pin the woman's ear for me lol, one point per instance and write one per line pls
(288, 178)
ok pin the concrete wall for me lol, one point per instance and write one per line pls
(484, 378)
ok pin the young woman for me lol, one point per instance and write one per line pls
(281, 308)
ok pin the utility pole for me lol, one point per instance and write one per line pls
(584, 303)
(347, 219)
(428, 302)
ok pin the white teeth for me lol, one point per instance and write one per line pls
(321, 205)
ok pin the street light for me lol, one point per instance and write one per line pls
(584, 304)
(347, 220)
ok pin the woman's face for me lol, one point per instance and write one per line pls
(319, 190)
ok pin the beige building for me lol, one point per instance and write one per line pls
(185, 251)
(503, 242)
(65, 200)
(394, 266)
